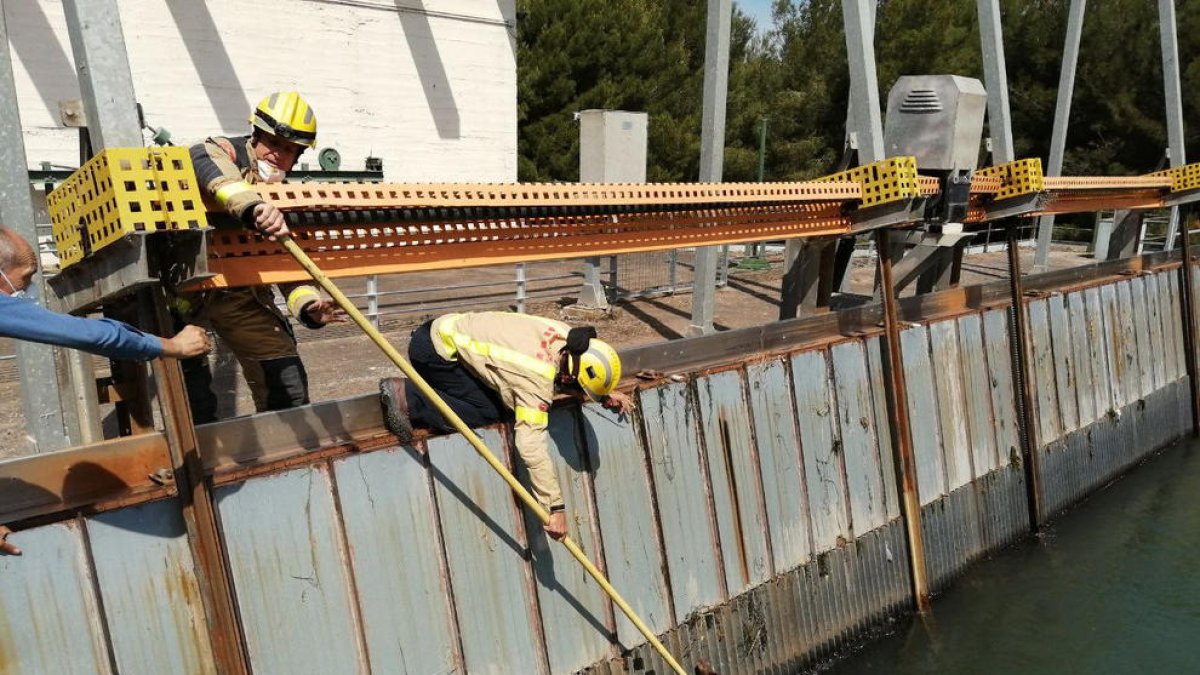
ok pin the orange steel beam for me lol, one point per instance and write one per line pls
(239, 258)
(426, 227)
(450, 226)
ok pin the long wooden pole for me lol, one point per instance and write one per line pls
(526, 498)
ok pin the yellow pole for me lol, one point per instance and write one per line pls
(530, 503)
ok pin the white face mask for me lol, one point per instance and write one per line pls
(20, 295)
(268, 173)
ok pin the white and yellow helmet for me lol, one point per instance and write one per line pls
(598, 370)
(286, 115)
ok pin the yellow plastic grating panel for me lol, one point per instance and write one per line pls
(890, 180)
(1184, 178)
(121, 191)
(1022, 177)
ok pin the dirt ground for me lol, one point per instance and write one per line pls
(342, 362)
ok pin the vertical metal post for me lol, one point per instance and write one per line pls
(1174, 98)
(40, 393)
(859, 19)
(107, 86)
(896, 396)
(995, 76)
(1188, 302)
(712, 154)
(1019, 345)
(752, 249)
(1062, 115)
(521, 288)
(373, 300)
(105, 82)
(216, 587)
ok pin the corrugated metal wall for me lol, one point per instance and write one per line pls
(750, 514)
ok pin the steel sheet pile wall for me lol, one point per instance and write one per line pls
(749, 513)
(1110, 380)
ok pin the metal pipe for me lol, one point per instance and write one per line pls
(448, 413)
(895, 393)
(1062, 118)
(1170, 63)
(1186, 275)
(1021, 362)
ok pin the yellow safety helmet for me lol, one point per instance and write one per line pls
(597, 370)
(286, 115)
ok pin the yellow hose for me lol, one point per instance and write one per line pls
(531, 503)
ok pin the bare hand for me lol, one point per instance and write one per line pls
(325, 312)
(270, 221)
(620, 402)
(189, 342)
(5, 547)
(557, 527)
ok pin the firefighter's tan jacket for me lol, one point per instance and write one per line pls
(517, 355)
(227, 173)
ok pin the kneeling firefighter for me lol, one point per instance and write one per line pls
(494, 366)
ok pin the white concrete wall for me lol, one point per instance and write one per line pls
(427, 85)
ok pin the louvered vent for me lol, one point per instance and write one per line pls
(921, 101)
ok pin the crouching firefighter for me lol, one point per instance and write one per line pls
(282, 127)
(494, 366)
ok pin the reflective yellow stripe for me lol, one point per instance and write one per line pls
(299, 297)
(532, 415)
(227, 192)
(456, 341)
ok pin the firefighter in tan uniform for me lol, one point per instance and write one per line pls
(485, 364)
(246, 319)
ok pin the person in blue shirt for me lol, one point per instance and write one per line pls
(23, 319)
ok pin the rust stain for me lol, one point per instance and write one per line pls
(735, 501)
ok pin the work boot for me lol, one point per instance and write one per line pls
(395, 407)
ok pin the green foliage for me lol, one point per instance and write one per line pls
(648, 55)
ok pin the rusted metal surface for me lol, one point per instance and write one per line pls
(37, 485)
(1022, 379)
(864, 476)
(996, 340)
(827, 503)
(50, 620)
(1084, 380)
(950, 399)
(1042, 372)
(627, 521)
(690, 543)
(978, 417)
(1065, 367)
(286, 559)
(901, 434)
(423, 559)
(574, 609)
(922, 405)
(1187, 300)
(770, 402)
(199, 514)
(240, 444)
(387, 506)
(147, 578)
(486, 551)
(736, 480)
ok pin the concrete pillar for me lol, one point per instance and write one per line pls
(612, 149)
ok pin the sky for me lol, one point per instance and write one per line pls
(759, 10)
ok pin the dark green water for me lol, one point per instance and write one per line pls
(1112, 587)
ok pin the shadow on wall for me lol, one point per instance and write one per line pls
(432, 72)
(212, 63)
(50, 67)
